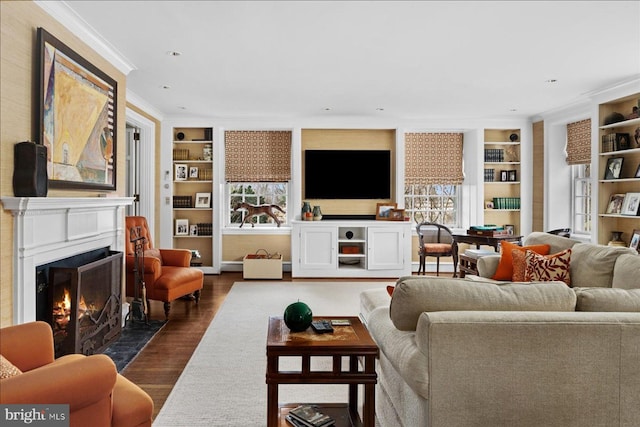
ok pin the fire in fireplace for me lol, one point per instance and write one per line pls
(84, 302)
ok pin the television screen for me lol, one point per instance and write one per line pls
(347, 174)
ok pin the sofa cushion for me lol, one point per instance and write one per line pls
(8, 369)
(413, 296)
(625, 272)
(607, 299)
(372, 299)
(592, 265)
(548, 268)
(505, 267)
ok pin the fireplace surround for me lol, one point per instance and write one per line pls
(47, 229)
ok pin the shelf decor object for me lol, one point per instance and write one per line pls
(81, 145)
(631, 205)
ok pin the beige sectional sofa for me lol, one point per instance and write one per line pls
(458, 352)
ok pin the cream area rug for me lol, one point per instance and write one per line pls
(224, 382)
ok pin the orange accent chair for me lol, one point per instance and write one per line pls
(435, 240)
(167, 272)
(96, 394)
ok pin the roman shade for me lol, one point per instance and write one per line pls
(579, 142)
(433, 158)
(257, 156)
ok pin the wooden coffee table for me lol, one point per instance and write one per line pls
(352, 341)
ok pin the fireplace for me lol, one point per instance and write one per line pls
(80, 297)
(48, 229)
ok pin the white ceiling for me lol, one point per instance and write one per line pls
(413, 59)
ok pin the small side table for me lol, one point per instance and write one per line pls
(352, 341)
(468, 265)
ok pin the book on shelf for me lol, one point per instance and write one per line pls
(310, 416)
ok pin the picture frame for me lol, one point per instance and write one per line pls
(203, 200)
(637, 175)
(81, 146)
(615, 204)
(193, 230)
(513, 176)
(182, 227)
(383, 210)
(613, 168)
(396, 215)
(180, 172)
(504, 177)
(631, 205)
(510, 228)
(193, 172)
(634, 242)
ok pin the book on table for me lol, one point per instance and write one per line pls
(310, 416)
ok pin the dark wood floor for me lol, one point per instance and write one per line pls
(158, 366)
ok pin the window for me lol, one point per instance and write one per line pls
(257, 193)
(435, 202)
(581, 215)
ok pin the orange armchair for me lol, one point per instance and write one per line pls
(96, 394)
(167, 272)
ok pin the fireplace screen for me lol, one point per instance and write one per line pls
(86, 305)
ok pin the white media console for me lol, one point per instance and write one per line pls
(350, 248)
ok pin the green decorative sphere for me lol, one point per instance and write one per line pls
(298, 316)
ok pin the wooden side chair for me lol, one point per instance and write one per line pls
(434, 240)
(564, 232)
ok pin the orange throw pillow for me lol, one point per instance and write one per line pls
(390, 290)
(519, 265)
(505, 267)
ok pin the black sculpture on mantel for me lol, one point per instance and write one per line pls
(138, 308)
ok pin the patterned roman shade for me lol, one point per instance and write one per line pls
(579, 142)
(257, 156)
(433, 158)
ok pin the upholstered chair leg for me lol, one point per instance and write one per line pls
(437, 266)
(196, 294)
(167, 307)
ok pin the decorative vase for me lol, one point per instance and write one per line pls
(616, 239)
(317, 213)
(306, 209)
(298, 316)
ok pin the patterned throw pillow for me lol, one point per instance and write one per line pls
(7, 369)
(548, 268)
(519, 265)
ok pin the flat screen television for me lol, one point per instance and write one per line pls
(347, 174)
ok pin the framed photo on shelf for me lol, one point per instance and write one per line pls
(182, 227)
(513, 176)
(203, 200)
(193, 172)
(615, 204)
(181, 172)
(635, 240)
(396, 215)
(383, 210)
(614, 166)
(504, 176)
(631, 204)
(193, 230)
(638, 172)
(510, 228)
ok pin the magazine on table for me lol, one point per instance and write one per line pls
(309, 416)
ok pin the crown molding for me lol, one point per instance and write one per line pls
(140, 103)
(62, 13)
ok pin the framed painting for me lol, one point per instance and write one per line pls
(77, 118)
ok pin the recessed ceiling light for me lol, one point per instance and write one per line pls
(551, 81)
(513, 109)
(181, 107)
(174, 53)
(327, 108)
(379, 109)
(165, 87)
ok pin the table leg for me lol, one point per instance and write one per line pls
(272, 405)
(353, 388)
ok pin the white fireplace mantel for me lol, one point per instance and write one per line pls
(47, 229)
